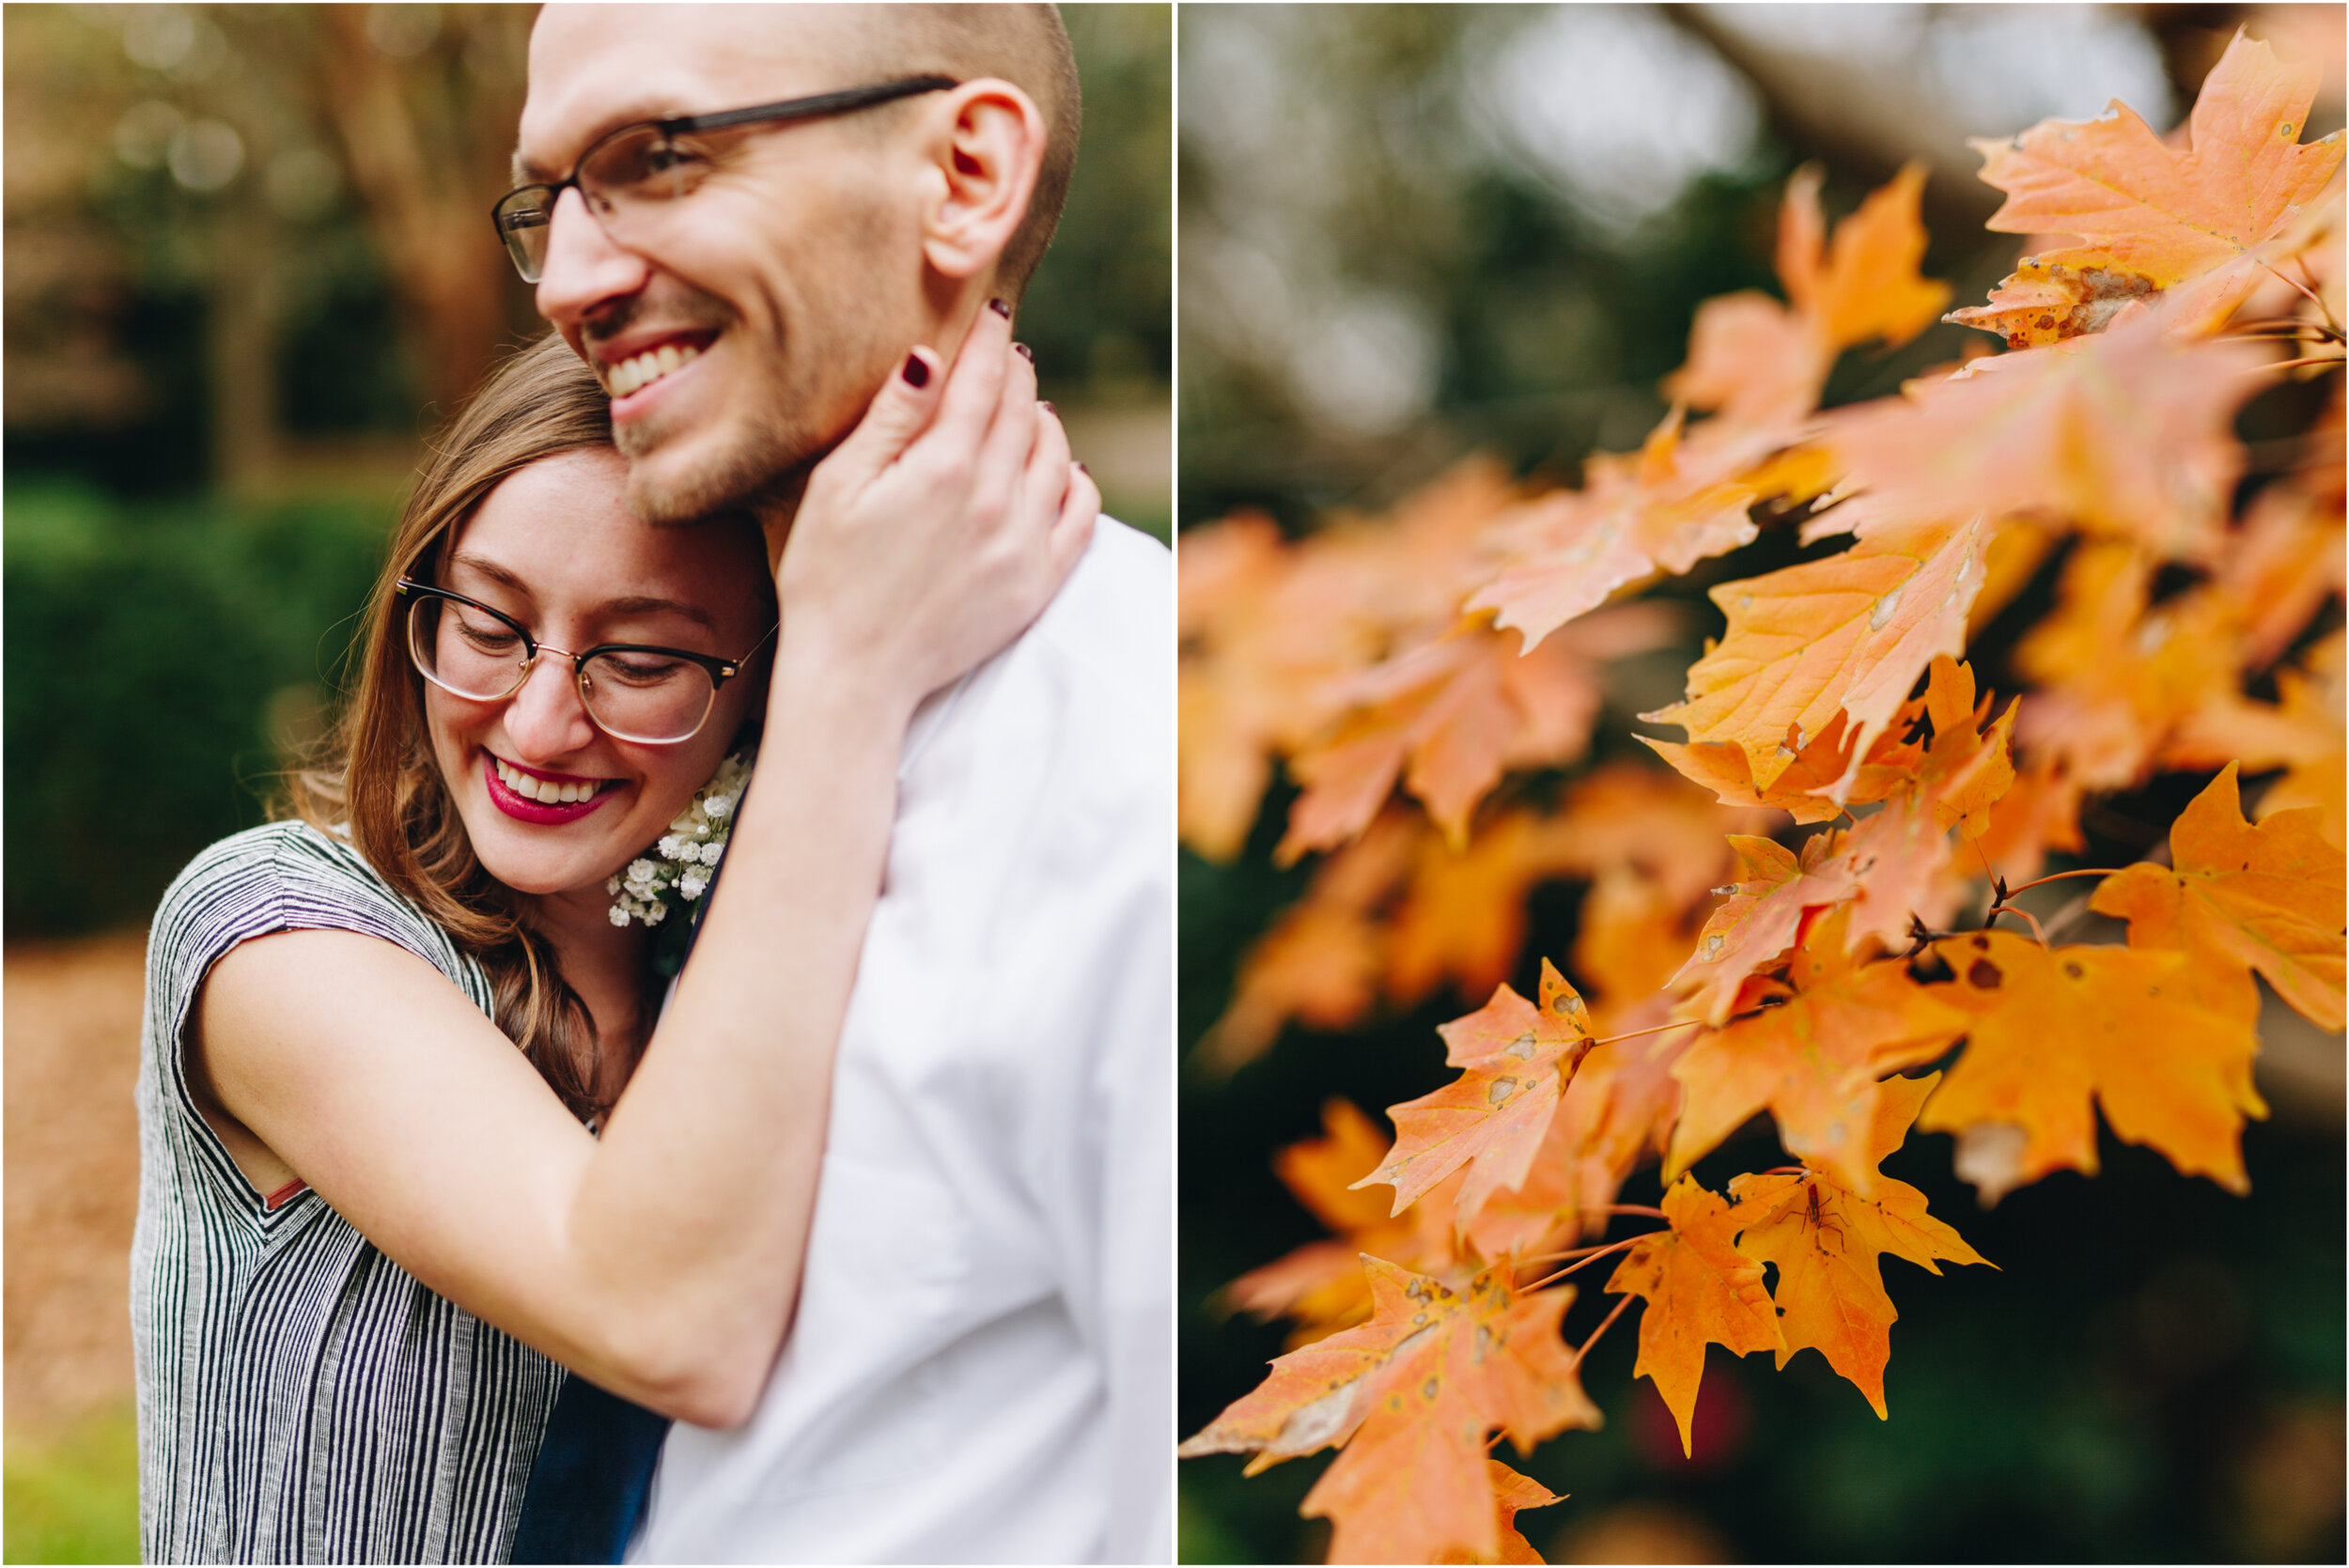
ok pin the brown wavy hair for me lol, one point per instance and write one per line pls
(376, 769)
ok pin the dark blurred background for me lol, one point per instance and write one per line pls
(1412, 232)
(249, 268)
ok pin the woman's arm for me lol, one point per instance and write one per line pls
(662, 1261)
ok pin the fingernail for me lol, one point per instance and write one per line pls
(1000, 308)
(1082, 469)
(916, 373)
(1046, 405)
(1025, 352)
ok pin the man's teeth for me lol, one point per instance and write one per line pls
(648, 367)
(545, 791)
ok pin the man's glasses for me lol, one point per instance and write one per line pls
(632, 692)
(642, 167)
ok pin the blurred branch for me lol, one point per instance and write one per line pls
(1860, 118)
(428, 173)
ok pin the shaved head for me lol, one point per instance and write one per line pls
(1024, 45)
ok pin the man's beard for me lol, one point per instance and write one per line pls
(764, 460)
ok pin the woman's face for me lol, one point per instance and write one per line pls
(554, 547)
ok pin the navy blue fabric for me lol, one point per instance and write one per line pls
(594, 1475)
(592, 1480)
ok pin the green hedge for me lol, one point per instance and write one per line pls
(158, 659)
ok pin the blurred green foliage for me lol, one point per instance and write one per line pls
(74, 1497)
(152, 649)
(1099, 311)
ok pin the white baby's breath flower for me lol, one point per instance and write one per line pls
(648, 890)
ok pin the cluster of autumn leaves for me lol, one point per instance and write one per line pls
(1465, 638)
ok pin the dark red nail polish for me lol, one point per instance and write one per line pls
(1000, 308)
(1046, 406)
(1025, 352)
(916, 373)
(1082, 469)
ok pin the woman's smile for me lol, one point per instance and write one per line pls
(531, 795)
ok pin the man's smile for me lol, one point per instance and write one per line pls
(642, 360)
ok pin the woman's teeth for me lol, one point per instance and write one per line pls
(544, 791)
(630, 375)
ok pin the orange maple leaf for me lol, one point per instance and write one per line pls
(1700, 1291)
(1721, 767)
(1462, 914)
(1827, 1240)
(1320, 1285)
(1814, 1061)
(1450, 716)
(2125, 434)
(1416, 1390)
(1517, 1059)
(1321, 961)
(1669, 507)
(2244, 898)
(1757, 360)
(1512, 1494)
(2056, 1032)
(1768, 909)
(1849, 634)
(2118, 673)
(1617, 1110)
(1622, 816)
(2154, 216)
(2303, 732)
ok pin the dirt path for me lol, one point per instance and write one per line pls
(72, 1056)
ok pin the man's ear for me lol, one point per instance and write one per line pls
(986, 164)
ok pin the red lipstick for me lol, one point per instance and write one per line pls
(538, 812)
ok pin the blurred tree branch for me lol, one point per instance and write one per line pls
(427, 139)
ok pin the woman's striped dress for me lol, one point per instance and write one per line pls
(301, 1398)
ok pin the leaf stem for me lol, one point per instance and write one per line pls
(1684, 1023)
(2308, 291)
(2015, 909)
(1585, 1348)
(1596, 1253)
(2053, 876)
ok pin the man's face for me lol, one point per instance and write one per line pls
(745, 326)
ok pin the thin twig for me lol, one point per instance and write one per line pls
(2296, 363)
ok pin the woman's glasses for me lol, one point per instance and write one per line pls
(632, 691)
(638, 169)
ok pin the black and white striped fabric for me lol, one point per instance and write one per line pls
(302, 1399)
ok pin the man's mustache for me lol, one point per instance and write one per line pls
(683, 310)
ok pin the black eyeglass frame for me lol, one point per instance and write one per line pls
(786, 110)
(719, 670)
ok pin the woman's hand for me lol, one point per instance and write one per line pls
(938, 531)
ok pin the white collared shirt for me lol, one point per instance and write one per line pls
(980, 1368)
